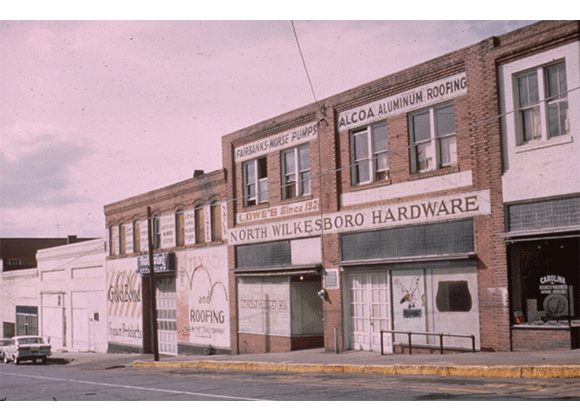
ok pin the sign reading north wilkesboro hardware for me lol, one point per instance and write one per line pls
(430, 210)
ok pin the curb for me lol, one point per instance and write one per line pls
(542, 371)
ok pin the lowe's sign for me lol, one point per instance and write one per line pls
(163, 262)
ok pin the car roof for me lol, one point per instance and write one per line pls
(26, 336)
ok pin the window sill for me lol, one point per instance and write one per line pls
(560, 326)
(373, 184)
(286, 201)
(542, 144)
(436, 172)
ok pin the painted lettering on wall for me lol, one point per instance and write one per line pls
(436, 209)
(302, 207)
(276, 142)
(429, 94)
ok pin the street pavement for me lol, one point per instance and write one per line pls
(539, 364)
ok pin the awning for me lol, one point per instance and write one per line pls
(415, 259)
(539, 234)
(286, 270)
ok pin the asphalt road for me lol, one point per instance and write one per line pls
(29, 382)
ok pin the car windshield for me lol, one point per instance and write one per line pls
(30, 340)
(4, 342)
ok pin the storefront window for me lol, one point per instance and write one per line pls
(544, 281)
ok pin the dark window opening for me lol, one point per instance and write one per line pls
(453, 296)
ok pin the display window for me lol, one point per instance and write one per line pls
(544, 281)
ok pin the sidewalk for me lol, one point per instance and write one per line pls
(546, 364)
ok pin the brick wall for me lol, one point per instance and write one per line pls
(540, 339)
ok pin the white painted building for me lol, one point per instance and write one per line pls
(540, 104)
(71, 296)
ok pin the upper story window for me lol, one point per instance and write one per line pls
(122, 240)
(179, 228)
(136, 236)
(14, 262)
(199, 225)
(255, 174)
(542, 103)
(295, 172)
(432, 137)
(156, 232)
(216, 222)
(369, 152)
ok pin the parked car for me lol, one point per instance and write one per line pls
(26, 347)
(3, 343)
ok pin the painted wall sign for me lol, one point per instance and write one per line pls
(435, 209)
(124, 306)
(429, 94)
(277, 142)
(189, 226)
(167, 230)
(279, 211)
(164, 262)
(202, 297)
(331, 278)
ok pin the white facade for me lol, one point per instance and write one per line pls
(71, 296)
(547, 165)
(19, 288)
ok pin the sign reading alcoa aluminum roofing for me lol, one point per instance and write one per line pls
(429, 94)
(436, 209)
(278, 142)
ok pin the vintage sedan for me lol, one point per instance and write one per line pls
(3, 343)
(26, 347)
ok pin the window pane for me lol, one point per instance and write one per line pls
(262, 168)
(421, 127)
(523, 90)
(445, 120)
(362, 172)
(556, 80)
(531, 123)
(305, 183)
(304, 155)
(533, 87)
(448, 151)
(250, 172)
(425, 156)
(289, 166)
(380, 142)
(361, 146)
(382, 162)
(263, 185)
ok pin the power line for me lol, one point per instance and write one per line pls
(303, 62)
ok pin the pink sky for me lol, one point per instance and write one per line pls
(93, 112)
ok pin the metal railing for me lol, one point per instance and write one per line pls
(441, 335)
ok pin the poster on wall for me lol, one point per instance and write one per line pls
(203, 317)
(124, 307)
(554, 296)
(409, 303)
(264, 305)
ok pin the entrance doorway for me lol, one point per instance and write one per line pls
(370, 312)
(166, 299)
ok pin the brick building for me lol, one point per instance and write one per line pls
(384, 207)
(188, 232)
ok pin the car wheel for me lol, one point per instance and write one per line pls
(16, 361)
(43, 360)
(6, 359)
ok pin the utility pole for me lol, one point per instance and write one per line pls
(152, 288)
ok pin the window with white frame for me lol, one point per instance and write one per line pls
(216, 222)
(542, 102)
(156, 232)
(432, 135)
(295, 172)
(136, 236)
(179, 228)
(369, 152)
(255, 182)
